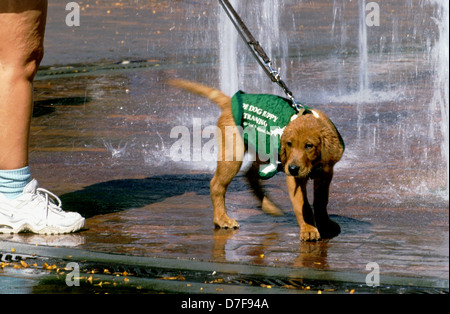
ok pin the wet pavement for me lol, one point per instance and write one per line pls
(101, 141)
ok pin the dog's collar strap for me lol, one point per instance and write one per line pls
(305, 110)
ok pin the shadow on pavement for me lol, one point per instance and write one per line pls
(120, 195)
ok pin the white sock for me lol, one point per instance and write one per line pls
(12, 182)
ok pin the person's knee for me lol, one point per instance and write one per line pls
(22, 66)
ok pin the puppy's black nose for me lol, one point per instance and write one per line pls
(293, 169)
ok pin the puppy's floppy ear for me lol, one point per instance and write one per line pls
(283, 153)
(331, 150)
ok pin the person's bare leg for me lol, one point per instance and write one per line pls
(22, 26)
(23, 206)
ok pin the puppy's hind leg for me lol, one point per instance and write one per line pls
(230, 157)
(267, 205)
(226, 171)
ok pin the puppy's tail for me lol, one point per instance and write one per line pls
(222, 100)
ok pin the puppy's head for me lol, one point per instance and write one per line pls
(307, 142)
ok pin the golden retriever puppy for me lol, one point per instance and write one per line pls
(310, 147)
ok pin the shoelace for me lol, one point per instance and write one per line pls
(43, 195)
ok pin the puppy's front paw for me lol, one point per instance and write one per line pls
(225, 222)
(309, 233)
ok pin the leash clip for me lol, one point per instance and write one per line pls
(296, 105)
(275, 74)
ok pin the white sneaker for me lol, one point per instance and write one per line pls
(35, 211)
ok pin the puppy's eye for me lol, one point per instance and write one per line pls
(289, 144)
(309, 146)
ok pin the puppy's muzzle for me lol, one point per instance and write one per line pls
(294, 170)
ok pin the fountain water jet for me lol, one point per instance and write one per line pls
(440, 101)
(363, 53)
(228, 53)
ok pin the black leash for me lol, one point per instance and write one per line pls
(258, 52)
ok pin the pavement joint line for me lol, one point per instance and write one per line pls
(73, 254)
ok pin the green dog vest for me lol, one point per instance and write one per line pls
(263, 118)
